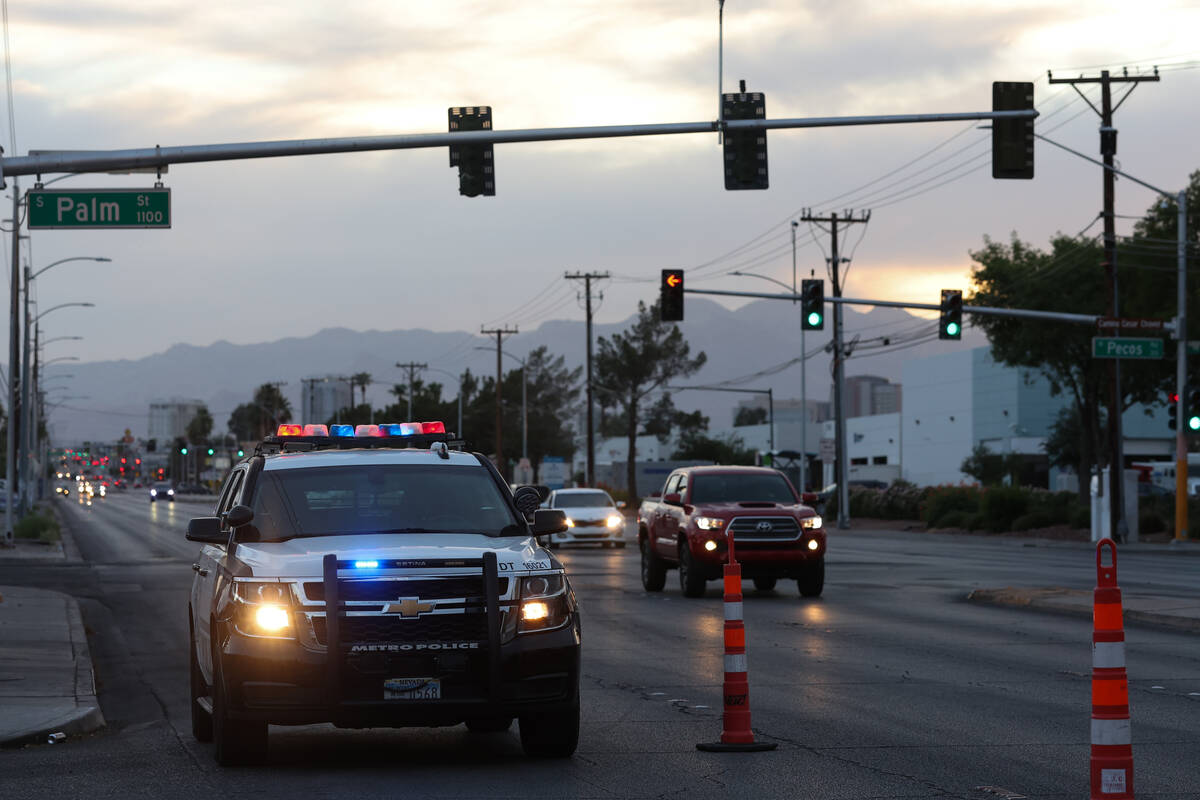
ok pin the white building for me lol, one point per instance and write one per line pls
(321, 397)
(169, 418)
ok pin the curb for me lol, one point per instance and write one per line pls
(86, 716)
(1075, 603)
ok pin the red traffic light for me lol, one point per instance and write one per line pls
(1173, 397)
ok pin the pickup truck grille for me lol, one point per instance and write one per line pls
(764, 529)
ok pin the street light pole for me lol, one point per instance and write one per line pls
(13, 364)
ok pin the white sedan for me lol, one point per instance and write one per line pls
(592, 516)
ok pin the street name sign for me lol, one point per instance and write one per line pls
(99, 208)
(1116, 347)
(1118, 325)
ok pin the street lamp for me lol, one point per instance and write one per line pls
(61, 339)
(803, 365)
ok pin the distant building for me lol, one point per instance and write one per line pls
(868, 395)
(322, 397)
(169, 418)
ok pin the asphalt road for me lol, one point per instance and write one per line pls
(888, 686)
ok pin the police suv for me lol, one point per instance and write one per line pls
(379, 576)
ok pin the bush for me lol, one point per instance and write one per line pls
(955, 519)
(1150, 522)
(1081, 517)
(36, 525)
(1001, 505)
(976, 522)
(944, 499)
(1034, 519)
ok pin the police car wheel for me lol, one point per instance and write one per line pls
(551, 735)
(202, 722)
(654, 574)
(489, 725)
(236, 742)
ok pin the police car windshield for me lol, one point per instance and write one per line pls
(582, 500)
(380, 498)
(741, 488)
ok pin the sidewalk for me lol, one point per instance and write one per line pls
(46, 683)
(1165, 612)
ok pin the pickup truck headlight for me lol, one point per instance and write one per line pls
(810, 523)
(614, 521)
(545, 603)
(709, 523)
(264, 609)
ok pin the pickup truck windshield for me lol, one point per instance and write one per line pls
(582, 500)
(741, 488)
(380, 498)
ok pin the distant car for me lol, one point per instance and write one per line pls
(592, 516)
(1153, 490)
(162, 491)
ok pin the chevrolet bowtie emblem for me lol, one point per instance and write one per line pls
(408, 607)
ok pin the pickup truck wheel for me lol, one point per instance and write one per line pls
(551, 735)
(202, 722)
(486, 725)
(654, 572)
(764, 584)
(236, 742)
(691, 579)
(812, 578)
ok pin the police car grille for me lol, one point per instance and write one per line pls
(384, 590)
(390, 629)
(782, 528)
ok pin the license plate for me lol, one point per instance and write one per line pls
(412, 689)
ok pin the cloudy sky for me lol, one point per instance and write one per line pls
(285, 247)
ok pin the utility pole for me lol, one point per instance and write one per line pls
(1108, 149)
(13, 354)
(412, 368)
(803, 382)
(587, 278)
(839, 357)
(499, 333)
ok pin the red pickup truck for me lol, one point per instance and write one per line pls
(774, 534)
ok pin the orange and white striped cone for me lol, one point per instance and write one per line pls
(1112, 748)
(736, 735)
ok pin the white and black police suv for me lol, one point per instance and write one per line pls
(378, 576)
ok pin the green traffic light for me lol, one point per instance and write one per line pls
(210, 451)
(952, 328)
(814, 319)
(183, 451)
(241, 453)
(1194, 423)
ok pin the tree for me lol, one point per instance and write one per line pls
(262, 415)
(200, 427)
(984, 466)
(362, 380)
(749, 415)
(726, 449)
(634, 364)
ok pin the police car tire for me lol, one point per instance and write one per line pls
(691, 579)
(551, 734)
(654, 572)
(202, 722)
(765, 584)
(489, 725)
(812, 578)
(236, 742)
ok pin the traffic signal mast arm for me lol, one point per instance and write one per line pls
(151, 157)
(1028, 313)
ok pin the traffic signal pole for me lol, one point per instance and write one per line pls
(14, 315)
(587, 278)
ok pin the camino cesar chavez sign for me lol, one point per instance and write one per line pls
(99, 208)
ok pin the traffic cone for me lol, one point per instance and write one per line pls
(1112, 750)
(736, 735)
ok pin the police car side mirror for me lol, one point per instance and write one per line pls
(206, 530)
(549, 520)
(238, 516)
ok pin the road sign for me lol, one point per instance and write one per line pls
(99, 208)
(828, 450)
(1117, 325)
(1115, 347)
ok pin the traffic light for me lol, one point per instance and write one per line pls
(241, 452)
(745, 151)
(1191, 408)
(670, 301)
(476, 175)
(812, 304)
(1173, 410)
(1012, 139)
(210, 451)
(183, 451)
(950, 324)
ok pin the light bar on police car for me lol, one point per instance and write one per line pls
(387, 429)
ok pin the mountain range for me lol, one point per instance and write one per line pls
(760, 337)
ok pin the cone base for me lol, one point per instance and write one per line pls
(736, 747)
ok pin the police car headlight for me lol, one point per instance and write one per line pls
(263, 609)
(546, 603)
(709, 523)
(614, 521)
(810, 523)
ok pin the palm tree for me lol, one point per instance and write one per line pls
(362, 380)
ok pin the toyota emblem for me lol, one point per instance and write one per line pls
(764, 527)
